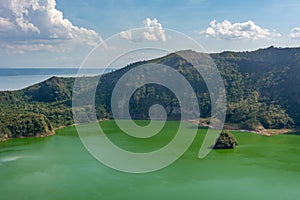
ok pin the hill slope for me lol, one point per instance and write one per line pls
(262, 88)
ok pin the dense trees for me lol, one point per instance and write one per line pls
(24, 125)
(252, 112)
(262, 89)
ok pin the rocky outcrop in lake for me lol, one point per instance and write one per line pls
(226, 140)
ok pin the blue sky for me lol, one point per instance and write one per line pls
(60, 33)
(188, 16)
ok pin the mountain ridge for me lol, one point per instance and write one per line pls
(258, 86)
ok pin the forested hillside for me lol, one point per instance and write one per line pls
(262, 89)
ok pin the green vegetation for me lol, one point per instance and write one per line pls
(24, 125)
(262, 90)
(226, 140)
(37, 109)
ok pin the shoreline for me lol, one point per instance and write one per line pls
(48, 134)
(227, 126)
(260, 130)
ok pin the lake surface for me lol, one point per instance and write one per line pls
(19, 78)
(59, 167)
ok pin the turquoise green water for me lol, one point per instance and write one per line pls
(59, 167)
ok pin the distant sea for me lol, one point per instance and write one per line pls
(19, 78)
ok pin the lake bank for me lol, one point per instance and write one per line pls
(259, 130)
(227, 126)
(5, 138)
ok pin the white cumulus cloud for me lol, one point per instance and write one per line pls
(152, 31)
(39, 24)
(237, 31)
(295, 33)
(126, 35)
(5, 25)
